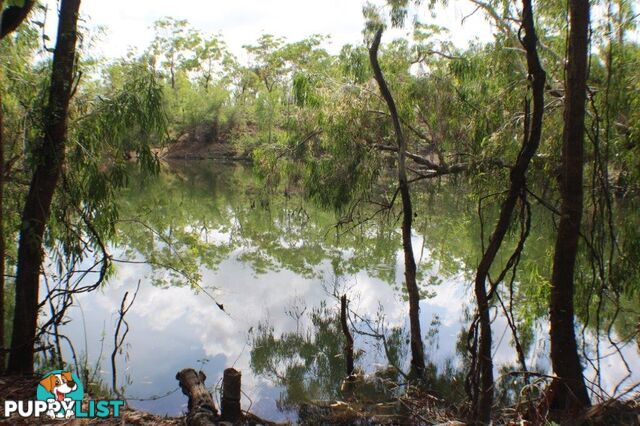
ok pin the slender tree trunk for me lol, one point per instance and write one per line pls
(531, 141)
(348, 347)
(2, 244)
(37, 208)
(8, 24)
(564, 349)
(417, 348)
(172, 71)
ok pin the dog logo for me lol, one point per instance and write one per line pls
(60, 395)
(63, 387)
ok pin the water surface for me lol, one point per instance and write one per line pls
(275, 263)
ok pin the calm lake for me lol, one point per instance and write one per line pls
(212, 235)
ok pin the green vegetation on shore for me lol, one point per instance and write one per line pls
(540, 126)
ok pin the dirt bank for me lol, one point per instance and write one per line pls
(204, 141)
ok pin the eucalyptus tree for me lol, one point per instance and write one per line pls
(76, 165)
(417, 348)
(10, 19)
(211, 51)
(517, 192)
(37, 207)
(175, 45)
(267, 63)
(570, 392)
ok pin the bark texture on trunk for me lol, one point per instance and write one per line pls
(483, 400)
(9, 22)
(417, 348)
(348, 347)
(231, 393)
(2, 244)
(202, 408)
(37, 208)
(564, 349)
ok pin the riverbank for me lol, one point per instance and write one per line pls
(23, 388)
(419, 408)
(203, 142)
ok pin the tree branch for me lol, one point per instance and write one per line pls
(13, 16)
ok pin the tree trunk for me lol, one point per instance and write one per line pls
(417, 348)
(172, 71)
(2, 244)
(37, 208)
(484, 400)
(564, 349)
(9, 22)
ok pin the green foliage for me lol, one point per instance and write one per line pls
(110, 121)
(107, 131)
(354, 62)
(309, 364)
(314, 124)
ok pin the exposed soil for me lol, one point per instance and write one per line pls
(204, 141)
(417, 409)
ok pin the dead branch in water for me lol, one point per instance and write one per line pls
(118, 340)
(348, 347)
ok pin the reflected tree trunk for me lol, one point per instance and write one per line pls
(37, 208)
(417, 348)
(572, 393)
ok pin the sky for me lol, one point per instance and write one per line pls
(128, 22)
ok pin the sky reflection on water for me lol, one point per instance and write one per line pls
(176, 327)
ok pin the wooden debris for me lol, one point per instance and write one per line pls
(202, 409)
(231, 388)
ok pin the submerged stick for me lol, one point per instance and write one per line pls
(348, 347)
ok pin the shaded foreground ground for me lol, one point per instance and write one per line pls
(24, 388)
(421, 409)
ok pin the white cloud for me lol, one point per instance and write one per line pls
(128, 23)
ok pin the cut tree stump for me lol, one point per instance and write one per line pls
(202, 409)
(231, 389)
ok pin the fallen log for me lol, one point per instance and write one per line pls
(202, 409)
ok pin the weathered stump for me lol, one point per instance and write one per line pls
(202, 409)
(231, 389)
